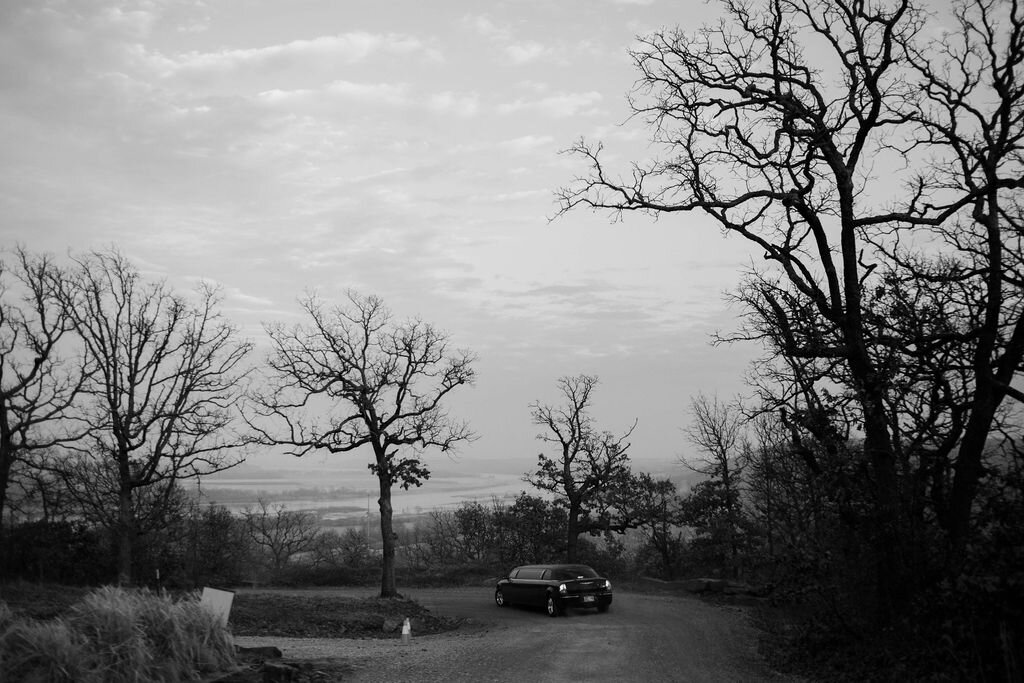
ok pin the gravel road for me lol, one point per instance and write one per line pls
(642, 638)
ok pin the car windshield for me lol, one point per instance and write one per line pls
(571, 573)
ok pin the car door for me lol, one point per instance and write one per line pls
(531, 586)
(543, 587)
(513, 588)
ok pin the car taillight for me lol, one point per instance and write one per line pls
(562, 589)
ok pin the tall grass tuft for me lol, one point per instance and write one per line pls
(109, 620)
(184, 638)
(6, 617)
(209, 645)
(115, 635)
(51, 650)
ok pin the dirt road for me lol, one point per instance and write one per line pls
(642, 638)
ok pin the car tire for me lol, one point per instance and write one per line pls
(553, 607)
(499, 598)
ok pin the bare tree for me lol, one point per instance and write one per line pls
(164, 394)
(590, 470)
(766, 462)
(717, 431)
(37, 493)
(37, 388)
(661, 520)
(971, 118)
(280, 533)
(354, 377)
(794, 124)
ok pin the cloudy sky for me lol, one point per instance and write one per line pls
(408, 149)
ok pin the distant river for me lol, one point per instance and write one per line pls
(339, 500)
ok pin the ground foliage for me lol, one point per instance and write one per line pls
(263, 614)
(318, 616)
(40, 600)
(42, 612)
(109, 635)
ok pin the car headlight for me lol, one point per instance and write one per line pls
(562, 589)
(607, 585)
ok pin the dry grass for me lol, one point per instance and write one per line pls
(115, 635)
(44, 651)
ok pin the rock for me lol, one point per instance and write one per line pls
(695, 585)
(705, 585)
(274, 672)
(258, 653)
(244, 674)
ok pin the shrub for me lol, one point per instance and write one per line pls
(109, 620)
(449, 574)
(182, 637)
(606, 555)
(33, 650)
(69, 553)
(115, 635)
(204, 644)
(6, 617)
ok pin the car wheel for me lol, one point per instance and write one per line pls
(499, 598)
(554, 609)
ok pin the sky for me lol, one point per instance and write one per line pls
(405, 149)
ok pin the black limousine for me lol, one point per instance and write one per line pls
(554, 587)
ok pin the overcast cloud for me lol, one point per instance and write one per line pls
(402, 148)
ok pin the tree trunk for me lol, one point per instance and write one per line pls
(967, 473)
(5, 474)
(125, 537)
(6, 463)
(387, 567)
(572, 532)
(5, 471)
(769, 515)
(730, 501)
(892, 579)
(661, 538)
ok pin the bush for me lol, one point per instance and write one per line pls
(606, 555)
(33, 650)
(452, 574)
(108, 618)
(70, 553)
(298, 574)
(116, 635)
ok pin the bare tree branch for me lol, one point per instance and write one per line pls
(167, 382)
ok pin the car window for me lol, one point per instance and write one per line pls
(529, 573)
(573, 573)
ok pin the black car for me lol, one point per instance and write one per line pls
(554, 587)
